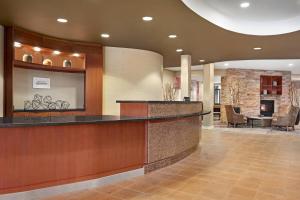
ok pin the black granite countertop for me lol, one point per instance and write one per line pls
(158, 102)
(49, 110)
(77, 120)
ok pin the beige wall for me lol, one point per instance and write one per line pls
(130, 74)
(1, 68)
(168, 77)
(64, 86)
(197, 75)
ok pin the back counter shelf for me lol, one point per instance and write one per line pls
(61, 61)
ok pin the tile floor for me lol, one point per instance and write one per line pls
(227, 166)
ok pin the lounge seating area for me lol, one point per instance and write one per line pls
(286, 121)
(281, 121)
(255, 98)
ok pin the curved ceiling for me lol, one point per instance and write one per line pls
(292, 65)
(123, 21)
(263, 17)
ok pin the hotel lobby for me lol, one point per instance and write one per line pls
(149, 100)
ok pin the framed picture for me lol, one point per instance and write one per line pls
(41, 83)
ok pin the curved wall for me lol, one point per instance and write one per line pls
(130, 74)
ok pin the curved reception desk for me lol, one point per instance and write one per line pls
(168, 139)
(42, 152)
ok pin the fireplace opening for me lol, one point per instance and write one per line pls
(266, 108)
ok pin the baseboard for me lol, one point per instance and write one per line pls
(73, 187)
(150, 167)
(207, 127)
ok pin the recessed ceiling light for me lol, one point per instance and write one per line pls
(76, 54)
(226, 64)
(105, 35)
(62, 20)
(179, 50)
(147, 18)
(244, 4)
(202, 60)
(17, 44)
(172, 36)
(56, 52)
(257, 48)
(37, 49)
(291, 64)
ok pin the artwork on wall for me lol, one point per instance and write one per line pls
(177, 82)
(40, 83)
(45, 103)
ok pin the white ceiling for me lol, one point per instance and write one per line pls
(262, 17)
(277, 65)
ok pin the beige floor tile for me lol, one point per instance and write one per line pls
(243, 192)
(232, 164)
(126, 194)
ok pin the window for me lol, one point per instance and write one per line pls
(217, 94)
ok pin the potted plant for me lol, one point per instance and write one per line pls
(234, 89)
(170, 92)
(295, 99)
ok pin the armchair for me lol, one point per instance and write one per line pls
(287, 120)
(234, 118)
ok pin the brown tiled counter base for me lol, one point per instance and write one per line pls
(168, 140)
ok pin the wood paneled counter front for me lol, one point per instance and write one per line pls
(50, 151)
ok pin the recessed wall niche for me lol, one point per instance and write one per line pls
(68, 87)
(86, 68)
(49, 57)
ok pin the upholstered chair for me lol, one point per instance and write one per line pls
(287, 120)
(283, 110)
(234, 118)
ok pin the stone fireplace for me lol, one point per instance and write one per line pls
(250, 96)
(267, 108)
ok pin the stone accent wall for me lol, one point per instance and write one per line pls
(250, 90)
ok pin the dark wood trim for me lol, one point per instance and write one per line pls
(25, 65)
(58, 110)
(68, 181)
(266, 83)
(8, 71)
(48, 113)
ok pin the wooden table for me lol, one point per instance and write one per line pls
(265, 121)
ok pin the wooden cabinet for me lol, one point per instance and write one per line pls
(84, 58)
(43, 156)
(271, 85)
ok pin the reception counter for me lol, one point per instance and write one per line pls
(167, 140)
(50, 151)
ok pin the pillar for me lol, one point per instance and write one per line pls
(208, 94)
(185, 76)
